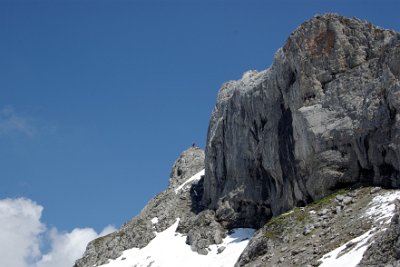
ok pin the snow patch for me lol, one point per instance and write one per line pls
(189, 181)
(381, 210)
(154, 220)
(350, 254)
(382, 207)
(169, 248)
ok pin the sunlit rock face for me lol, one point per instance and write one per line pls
(323, 116)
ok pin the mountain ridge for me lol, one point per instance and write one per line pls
(323, 117)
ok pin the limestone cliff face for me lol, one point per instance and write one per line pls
(323, 116)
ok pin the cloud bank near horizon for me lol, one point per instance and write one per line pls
(22, 233)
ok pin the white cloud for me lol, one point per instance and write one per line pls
(21, 232)
(12, 122)
(20, 229)
(68, 247)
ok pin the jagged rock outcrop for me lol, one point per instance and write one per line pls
(202, 231)
(323, 116)
(166, 207)
(189, 163)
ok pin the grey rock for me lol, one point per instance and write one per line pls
(375, 190)
(323, 212)
(221, 249)
(295, 252)
(202, 231)
(347, 200)
(203, 251)
(349, 210)
(338, 209)
(308, 229)
(395, 219)
(258, 248)
(184, 167)
(339, 198)
(324, 115)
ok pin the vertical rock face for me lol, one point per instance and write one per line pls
(323, 116)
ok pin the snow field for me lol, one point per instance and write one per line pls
(169, 248)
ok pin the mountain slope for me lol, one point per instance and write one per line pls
(334, 231)
(170, 249)
(166, 207)
(322, 118)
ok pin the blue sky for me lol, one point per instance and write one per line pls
(98, 98)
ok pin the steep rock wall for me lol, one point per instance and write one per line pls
(323, 116)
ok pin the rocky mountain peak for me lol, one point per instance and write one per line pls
(190, 162)
(324, 117)
(329, 45)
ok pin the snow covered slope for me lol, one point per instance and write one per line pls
(173, 231)
(347, 228)
(350, 254)
(169, 248)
